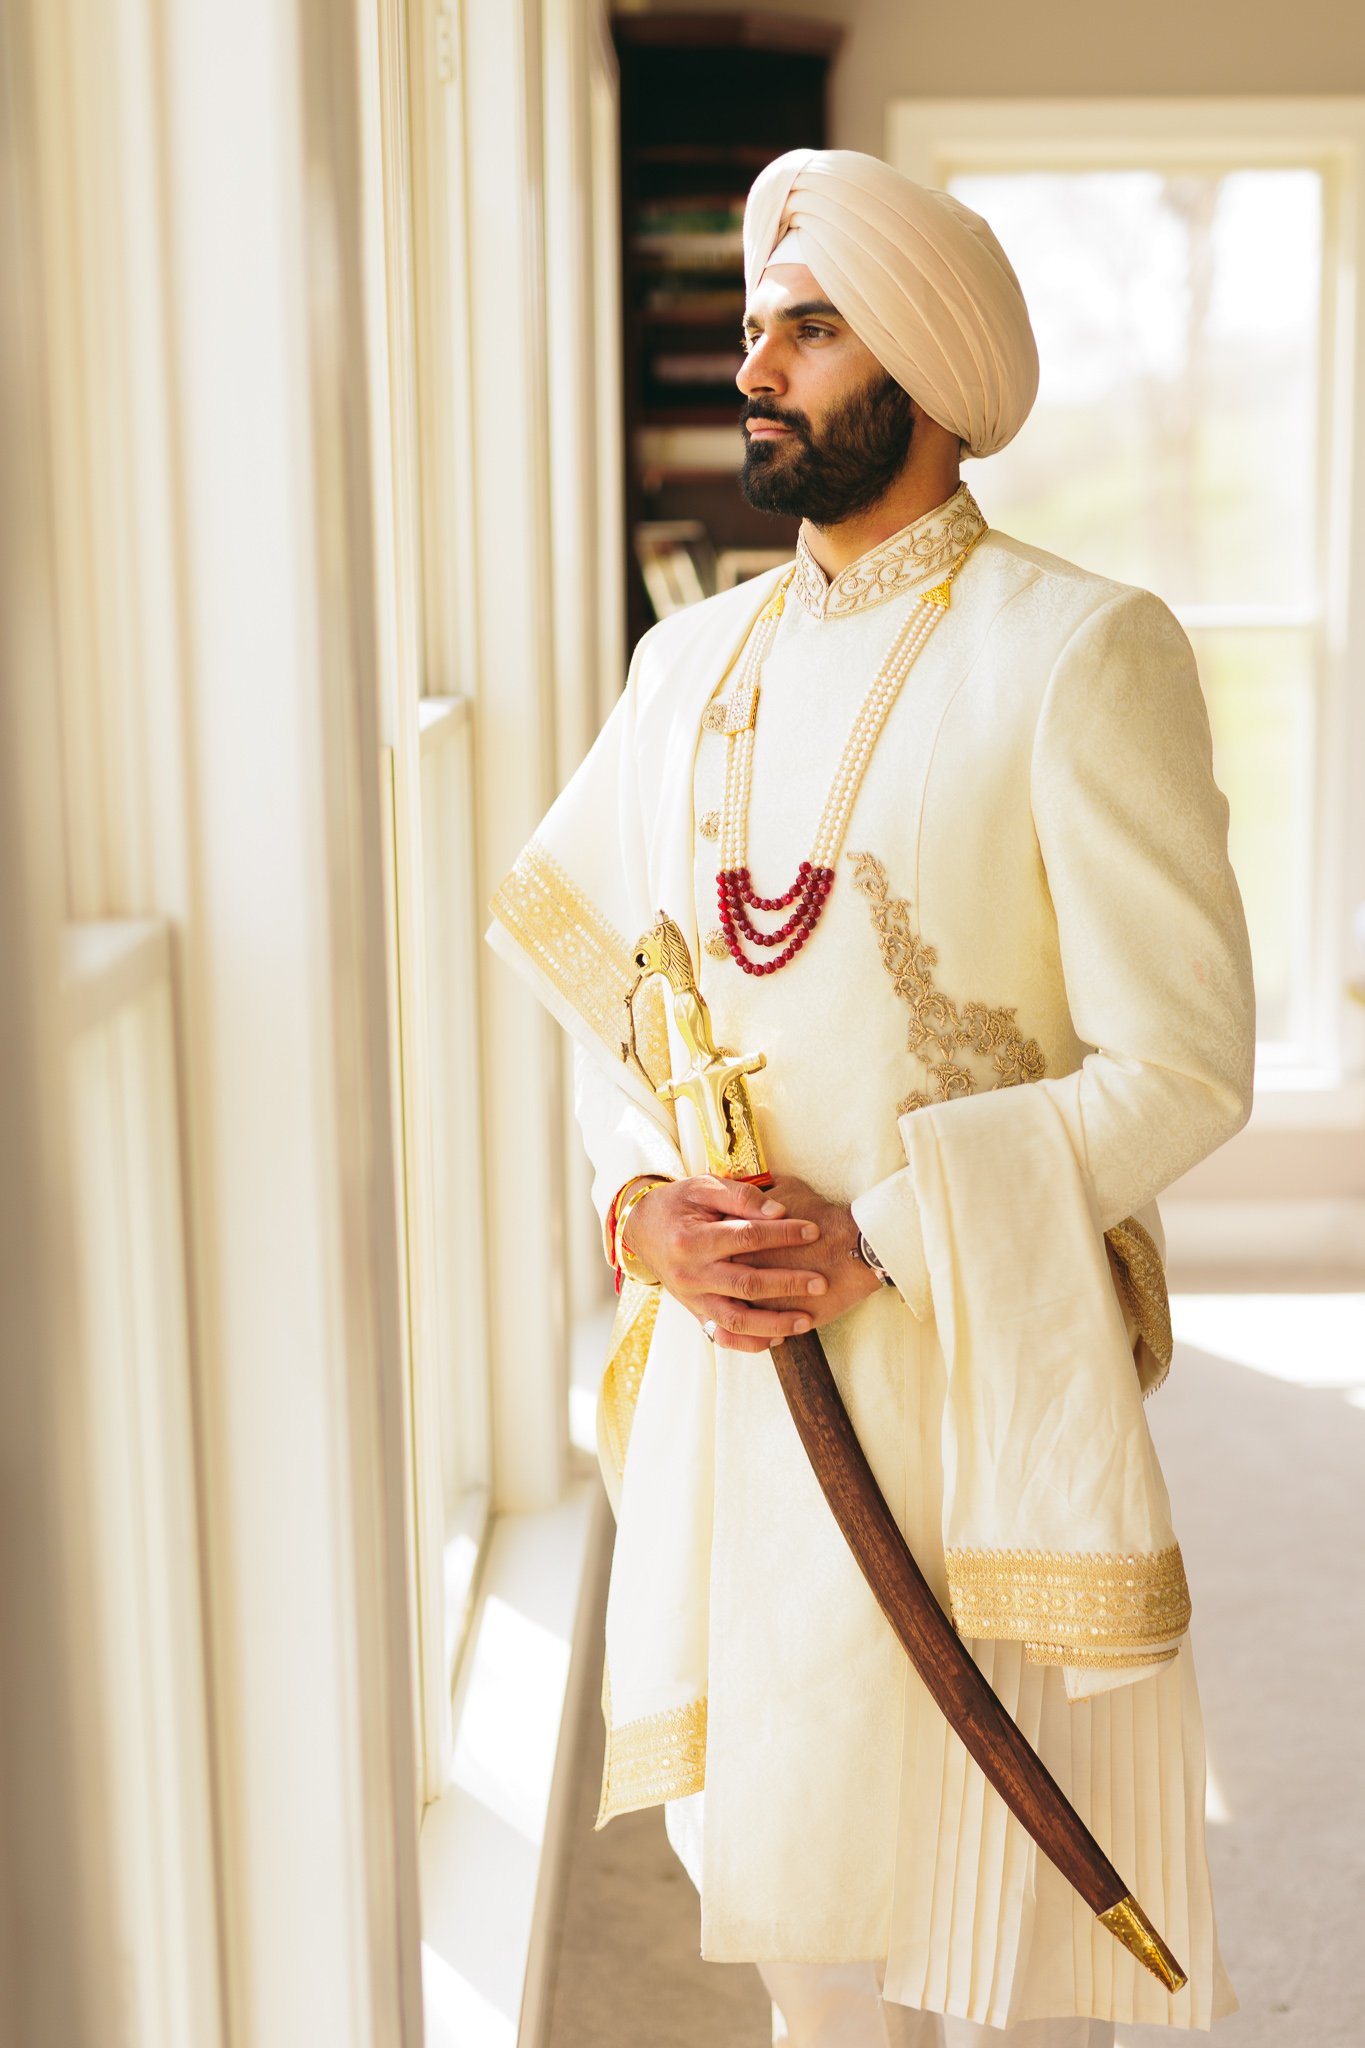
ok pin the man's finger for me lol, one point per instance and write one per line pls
(739, 1236)
(754, 1283)
(735, 1197)
(769, 1324)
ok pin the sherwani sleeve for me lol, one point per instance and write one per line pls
(1132, 832)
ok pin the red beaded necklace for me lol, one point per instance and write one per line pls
(808, 894)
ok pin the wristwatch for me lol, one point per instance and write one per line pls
(863, 1250)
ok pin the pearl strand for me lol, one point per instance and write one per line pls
(814, 877)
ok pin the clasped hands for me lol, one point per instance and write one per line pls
(760, 1263)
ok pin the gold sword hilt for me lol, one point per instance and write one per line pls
(715, 1082)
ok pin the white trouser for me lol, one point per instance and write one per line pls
(839, 2005)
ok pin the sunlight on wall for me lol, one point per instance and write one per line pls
(456, 2015)
(523, 1669)
(1216, 1809)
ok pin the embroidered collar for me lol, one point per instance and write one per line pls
(921, 550)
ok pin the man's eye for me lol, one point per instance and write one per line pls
(807, 329)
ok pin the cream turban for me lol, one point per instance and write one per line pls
(919, 278)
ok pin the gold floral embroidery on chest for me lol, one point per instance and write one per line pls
(940, 1029)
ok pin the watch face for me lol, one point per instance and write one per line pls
(872, 1262)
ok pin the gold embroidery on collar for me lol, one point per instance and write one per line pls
(939, 1027)
(1071, 1607)
(662, 1756)
(906, 559)
(585, 957)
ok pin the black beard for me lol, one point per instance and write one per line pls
(853, 464)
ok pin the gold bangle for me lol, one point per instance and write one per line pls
(612, 1216)
(626, 1260)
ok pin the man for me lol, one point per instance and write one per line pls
(936, 814)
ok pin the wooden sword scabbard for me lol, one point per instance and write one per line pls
(938, 1654)
(716, 1086)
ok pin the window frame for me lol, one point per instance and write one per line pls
(933, 140)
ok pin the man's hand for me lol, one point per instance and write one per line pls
(832, 1254)
(704, 1238)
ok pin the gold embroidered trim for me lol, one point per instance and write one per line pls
(939, 1028)
(585, 957)
(1097, 1660)
(627, 1353)
(1070, 1607)
(1140, 1281)
(660, 1757)
(905, 559)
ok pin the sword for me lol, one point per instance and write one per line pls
(716, 1085)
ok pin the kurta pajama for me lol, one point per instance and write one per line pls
(1025, 1011)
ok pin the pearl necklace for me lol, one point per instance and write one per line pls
(737, 719)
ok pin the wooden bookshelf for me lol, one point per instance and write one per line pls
(706, 101)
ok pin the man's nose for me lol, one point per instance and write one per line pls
(760, 370)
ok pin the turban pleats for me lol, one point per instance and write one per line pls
(919, 277)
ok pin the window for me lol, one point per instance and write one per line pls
(1184, 268)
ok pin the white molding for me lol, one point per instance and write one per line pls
(289, 1161)
(1254, 1236)
(399, 475)
(109, 964)
(148, 1642)
(515, 747)
(493, 1845)
(58, 1942)
(925, 135)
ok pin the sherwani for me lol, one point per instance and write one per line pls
(1034, 890)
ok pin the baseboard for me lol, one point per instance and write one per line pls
(1256, 1236)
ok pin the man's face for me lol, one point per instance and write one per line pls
(826, 430)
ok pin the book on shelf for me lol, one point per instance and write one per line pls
(699, 302)
(690, 251)
(702, 368)
(700, 216)
(690, 451)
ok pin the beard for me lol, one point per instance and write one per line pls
(843, 470)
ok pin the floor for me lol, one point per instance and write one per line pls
(1261, 1429)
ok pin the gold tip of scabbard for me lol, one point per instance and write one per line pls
(1129, 1924)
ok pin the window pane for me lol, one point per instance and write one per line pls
(1259, 686)
(1174, 443)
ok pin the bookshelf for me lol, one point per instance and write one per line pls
(706, 101)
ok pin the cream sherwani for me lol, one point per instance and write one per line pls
(1034, 889)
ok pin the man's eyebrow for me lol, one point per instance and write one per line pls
(788, 315)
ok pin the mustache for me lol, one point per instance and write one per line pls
(764, 409)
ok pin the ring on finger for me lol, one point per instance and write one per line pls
(710, 1327)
